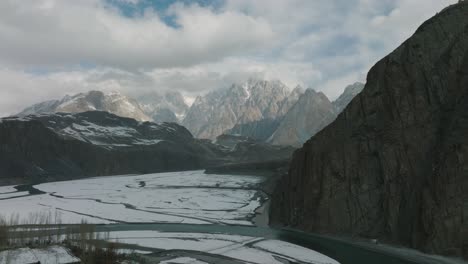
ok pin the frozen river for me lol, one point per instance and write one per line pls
(178, 199)
(186, 217)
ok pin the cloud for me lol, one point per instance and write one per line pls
(50, 48)
(23, 89)
(48, 33)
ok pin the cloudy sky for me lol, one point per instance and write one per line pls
(49, 48)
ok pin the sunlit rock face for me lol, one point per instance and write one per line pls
(312, 112)
(112, 102)
(221, 110)
(393, 165)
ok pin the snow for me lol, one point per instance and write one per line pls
(119, 235)
(18, 256)
(90, 132)
(177, 197)
(244, 248)
(55, 254)
(252, 255)
(294, 251)
(12, 195)
(50, 255)
(183, 260)
(7, 189)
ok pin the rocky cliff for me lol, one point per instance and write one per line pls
(264, 128)
(394, 164)
(312, 112)
(347, 96)
(248, 103)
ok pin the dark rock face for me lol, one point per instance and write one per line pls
(241, 149)
(394, 164)
(68, 146)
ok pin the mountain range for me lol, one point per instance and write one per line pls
(166, 107)
(267, 111)
(60, 146)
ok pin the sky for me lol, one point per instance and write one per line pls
(50, 48)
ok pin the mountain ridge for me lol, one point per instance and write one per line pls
(392, 166)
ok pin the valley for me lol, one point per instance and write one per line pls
(182, 216)
(233, 132)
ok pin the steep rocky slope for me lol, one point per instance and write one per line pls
(394, 164)
(347, 96)
(263, 129)
(112, 102)
(218, 111)
(312, 112)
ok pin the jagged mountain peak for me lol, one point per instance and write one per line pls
(220, 110)
(109, 101)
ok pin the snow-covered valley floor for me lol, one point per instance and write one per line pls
(178, 199)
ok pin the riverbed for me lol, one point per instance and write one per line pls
(188, 217)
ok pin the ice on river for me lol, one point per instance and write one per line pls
(245, 249)
(177, 197)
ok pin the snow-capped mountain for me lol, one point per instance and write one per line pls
(345, 98)
(112, 102)
(109, 131)
(312, 112)
(166, 107)
(220, 110)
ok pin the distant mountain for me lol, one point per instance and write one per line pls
(60, 146)
(264, 128)
(221, 110)
(112, 102)
(166, 107)
(393, 166)
(345, 98)
(312, 112)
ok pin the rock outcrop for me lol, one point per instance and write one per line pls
(264, 128)
(347, 96)
(312, 112)
(394, 164)
(221, 110)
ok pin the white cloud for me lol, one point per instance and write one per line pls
(45, 33)
(88, 44)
